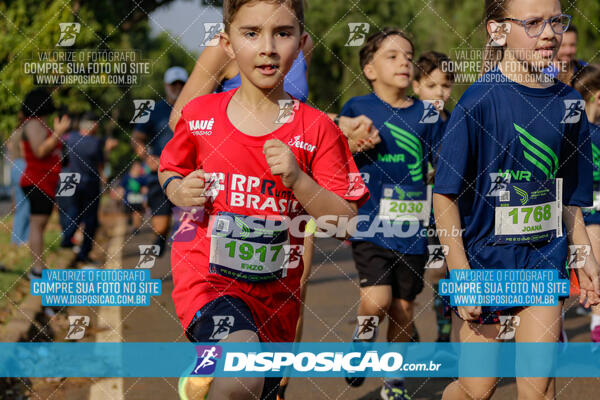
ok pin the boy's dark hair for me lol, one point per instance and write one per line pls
(38, 103)
(587, 81)
(231, 7)
(572, 28)
(374, 42)
(429, 62)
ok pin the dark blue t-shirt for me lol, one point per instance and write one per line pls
(157, 130)
(591, 216)
(395, 171)
(532, 135)
(85, 155)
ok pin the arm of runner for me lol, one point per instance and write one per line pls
(447, 219)
(41, 144)
(589, 275)
(206, 76)
(316, 200)
(138, 143)
(359, 131)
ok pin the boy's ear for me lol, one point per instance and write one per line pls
(369, 72)
(416, 87)
(225, 43)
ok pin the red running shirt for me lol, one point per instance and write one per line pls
(214, 262)
(41, 172)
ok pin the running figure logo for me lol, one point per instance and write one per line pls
(437, 255)
(68, 183)
(68, 33)
(211, 32)
(186, 229)
(573, 112)
(358, 33)
(367, 326)
(222, 326)
(431, 113)
(499, 32)
(292, 255)
(356, 187)
(499, 183)
(206, 362)
(577, 255)
(148, 254)
(508, 327)
(214, 182)
(142, 107)
(77, 325)
(287, 109)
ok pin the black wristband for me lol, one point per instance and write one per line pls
(169, 179)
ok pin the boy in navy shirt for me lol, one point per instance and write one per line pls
(388, 246)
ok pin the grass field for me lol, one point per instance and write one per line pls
(16, 260)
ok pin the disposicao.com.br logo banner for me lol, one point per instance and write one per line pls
(318, 360)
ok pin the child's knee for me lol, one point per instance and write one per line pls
(477, 389)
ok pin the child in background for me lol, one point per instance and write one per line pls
(587, 83)
(133, 191)
(433, 82)
(390, 267)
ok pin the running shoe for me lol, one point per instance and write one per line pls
(162, 243)
(281, 392)
(595, 333)
(394, 391)
(193, 387)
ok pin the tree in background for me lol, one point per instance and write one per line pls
(30, 27)
(441, 25)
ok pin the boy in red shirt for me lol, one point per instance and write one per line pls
(242, 161)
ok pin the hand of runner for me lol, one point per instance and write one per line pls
(361, 133)
(189, 191)
(589, 282)
(469, 313)
(61, 125)
(152, 162)
(281, 161)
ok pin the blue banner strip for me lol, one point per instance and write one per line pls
(299, 359)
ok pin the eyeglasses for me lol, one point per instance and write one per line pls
(535, 26)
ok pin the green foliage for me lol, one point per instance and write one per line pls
(441, 25)
(31, 27)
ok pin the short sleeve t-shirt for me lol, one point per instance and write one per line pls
(242, 185)
(399, 163)
(157, 128)
(85, 155)
(529, 134)
(591, 216)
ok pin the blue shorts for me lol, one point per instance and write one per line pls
(220, 317)
(225, 315)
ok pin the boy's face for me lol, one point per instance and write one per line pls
(391, 64)
(433, 86)
(264, 38)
